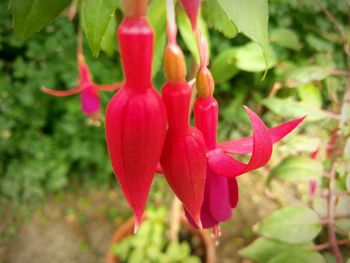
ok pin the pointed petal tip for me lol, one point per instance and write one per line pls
(137, 224)
(198, 221)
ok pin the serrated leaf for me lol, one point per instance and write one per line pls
(217, 18)
(293, 224)
(304, 75)
(157, 19)
(251, 18)
(251, 58)
(109, 43)
(299, 257)
(30, 16)
(224, 66)
(285, 37)
(262, 250)
(297, 168)
(96, 16)
(291, 108)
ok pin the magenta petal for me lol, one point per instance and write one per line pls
(90, 100)
(262, 150)
(234, 193)
(192, 8)
(219, 196)
(245, 145)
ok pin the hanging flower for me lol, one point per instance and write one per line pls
(89, 97)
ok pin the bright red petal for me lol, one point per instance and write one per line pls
(62, 93)
(262, 150)
(192, 8)
(245, 145)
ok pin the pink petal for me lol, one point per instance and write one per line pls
(90, 100)
(110, 87)
(234, 193)
(245, 145)
(192, 9)
(222, 164)
(62, 93)
(217, 192)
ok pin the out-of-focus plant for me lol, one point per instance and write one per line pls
(151, 245)
(313, 225)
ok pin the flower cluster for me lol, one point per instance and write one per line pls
(147, 132)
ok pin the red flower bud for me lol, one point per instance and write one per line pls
(135, 118)
(184, 154)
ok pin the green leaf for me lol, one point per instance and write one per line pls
(297, 168)
(109, 43)
(96, 16)
(291, 108)
(311, 95)
(250, 58)
(224, 66)
(157, 18)
(304, 75)
(262, 250)
(217, 18)
(293, 224)
(286, 38)
(251, 18)
(30, 16)
(299, 257)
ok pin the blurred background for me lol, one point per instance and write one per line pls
(59, 199)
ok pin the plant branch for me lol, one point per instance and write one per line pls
(328, 245)
(330, 207)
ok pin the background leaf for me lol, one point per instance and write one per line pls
(96, 16)
(30, 16)
(292, 108)
(217, 18)
(299, 257)
(263, 250)
(293, 224)
(297, 168)
(251, 18)
(157, 19)
(285, 37)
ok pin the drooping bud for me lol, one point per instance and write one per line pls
(174, 64)
(205, 83)
(136, 118)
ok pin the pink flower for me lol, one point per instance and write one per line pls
(90, 100)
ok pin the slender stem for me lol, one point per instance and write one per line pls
(330, 207)
(328, 245)
(175, 215)
(171, 22)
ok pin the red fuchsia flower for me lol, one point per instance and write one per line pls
(183, 159)
(90, 100)
(221, 191)
(136, 117)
